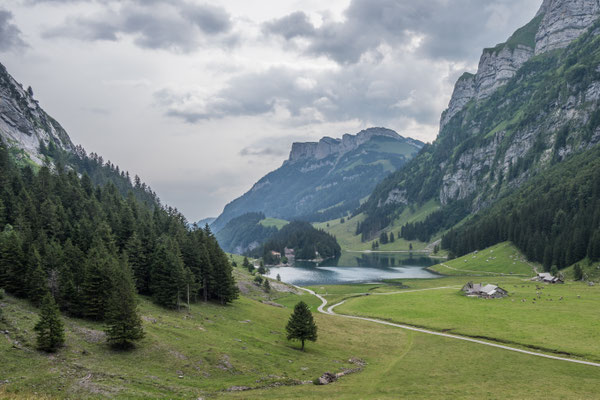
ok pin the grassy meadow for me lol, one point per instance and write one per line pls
(212, 352)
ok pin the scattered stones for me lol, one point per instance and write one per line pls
(224, 363)
(149, 319)
(238, 388)
(357, 361)
(245, 321)
(326, 379)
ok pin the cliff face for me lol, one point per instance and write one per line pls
(23, 124)
(328, 146)
(556, 25)
(563, 22)
(515, 118)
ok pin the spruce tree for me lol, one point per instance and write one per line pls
(167, 278)
(301, 325)
(50, 329)
(123, 323)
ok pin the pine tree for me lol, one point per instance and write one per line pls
(123, 323)
(301, 325)
(167, 277)
(50, 330)
(267, 286)
(37, 281)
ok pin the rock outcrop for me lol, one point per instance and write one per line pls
(556, 25)
(23, 124)
(328, 146)
(564, 21)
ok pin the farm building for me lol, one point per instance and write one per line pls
(547, 278)
(484, 291)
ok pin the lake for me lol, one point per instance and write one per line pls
(357, 268)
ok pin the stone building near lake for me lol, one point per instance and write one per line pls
(484, 291)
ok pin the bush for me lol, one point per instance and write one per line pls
(2, 294)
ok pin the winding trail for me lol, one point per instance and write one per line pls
(330, 311)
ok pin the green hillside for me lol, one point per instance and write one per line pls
(501, 259)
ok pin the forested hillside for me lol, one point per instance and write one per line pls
(545, 113)
(308, 243)
(64, 235)
(244, 233)
(554, 219)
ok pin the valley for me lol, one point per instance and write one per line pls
(365, 265)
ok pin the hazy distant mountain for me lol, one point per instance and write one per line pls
(326, 179)
(205, 221)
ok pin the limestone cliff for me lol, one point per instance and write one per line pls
(23, 124)
(556, 25)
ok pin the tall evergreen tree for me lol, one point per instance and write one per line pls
(123, 323)
(301, 325)
(50, 329)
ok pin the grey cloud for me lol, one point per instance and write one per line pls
(451, 30)
(371, 93)
(157, 24)
(294, 25)
(10, 35)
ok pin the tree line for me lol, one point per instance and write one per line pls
(88, 246)
(554, 219)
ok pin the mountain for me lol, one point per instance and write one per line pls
(244, 233)
(205, 221)
(533, 102)
(325, 180)
(23, 123)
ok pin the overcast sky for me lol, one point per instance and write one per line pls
(202, 98)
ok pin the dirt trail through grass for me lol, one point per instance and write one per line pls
(330, 311)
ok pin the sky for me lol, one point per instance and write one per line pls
(203, 98)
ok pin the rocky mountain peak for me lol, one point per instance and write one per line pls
(556, 25)
(328, 146)
(23, 123)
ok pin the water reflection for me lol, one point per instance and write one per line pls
(356, 268)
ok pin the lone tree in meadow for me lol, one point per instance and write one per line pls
(301, 325)
(50, 329)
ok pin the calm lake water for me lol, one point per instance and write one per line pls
(357, 268)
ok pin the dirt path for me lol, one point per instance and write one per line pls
(330, 311)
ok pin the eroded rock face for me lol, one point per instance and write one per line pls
(562, 21)
(328, 146)
(23, 124)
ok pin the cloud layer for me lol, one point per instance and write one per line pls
(171, 25)
(10, 35)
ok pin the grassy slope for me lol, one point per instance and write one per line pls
(199, 345)
(503, 258)
(345, 233)
(536, 322)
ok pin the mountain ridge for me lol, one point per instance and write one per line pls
(537, 115)
(326, 179)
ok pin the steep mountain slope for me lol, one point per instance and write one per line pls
(24, 125)
(326, 179)
(533, 102)
(244, 233)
